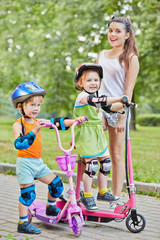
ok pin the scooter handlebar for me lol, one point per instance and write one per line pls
(51, 125)
(131, 104)
(85, 120)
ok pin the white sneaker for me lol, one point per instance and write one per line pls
(113, 205)
(65, 196)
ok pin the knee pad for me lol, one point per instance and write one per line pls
(106, 166)
(28, 195)
(56, 187)
(92, 168)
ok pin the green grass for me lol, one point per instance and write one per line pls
(146, 154)
(144, 145)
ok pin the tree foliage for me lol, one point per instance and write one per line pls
(45, 41)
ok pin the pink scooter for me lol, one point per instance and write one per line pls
(135, 222)
(71, 212)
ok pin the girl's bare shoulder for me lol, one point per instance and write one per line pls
(134, 59)
(106, 52)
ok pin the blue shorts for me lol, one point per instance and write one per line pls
(27, 169)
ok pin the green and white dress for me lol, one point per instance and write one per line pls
(90, 139)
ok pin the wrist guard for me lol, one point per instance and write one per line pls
(97, 101)
(60, 121)
(25, 141)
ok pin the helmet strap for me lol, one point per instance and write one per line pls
(92, 92)
(23, 112)
(22, 134)
(88, 92)
(25, 116)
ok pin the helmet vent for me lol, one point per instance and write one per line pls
(30, 87)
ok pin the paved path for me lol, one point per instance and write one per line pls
(149, 207)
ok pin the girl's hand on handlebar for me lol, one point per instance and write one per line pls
(80, 120)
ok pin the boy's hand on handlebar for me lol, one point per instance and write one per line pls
(38, 125)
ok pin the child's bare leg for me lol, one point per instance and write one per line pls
(90, 170)
(23, 210)
(25, 200)
(83, 166)
(87, 176)
(102, 180)
(103, 193)
(55, 188)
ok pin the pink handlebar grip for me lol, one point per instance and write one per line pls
(85, 120)
(48, 124)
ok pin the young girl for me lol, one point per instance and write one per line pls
(90, 139)
(120, 67)
(28, 98)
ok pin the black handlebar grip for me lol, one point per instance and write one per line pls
(124, 99)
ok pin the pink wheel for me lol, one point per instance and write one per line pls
(77, 225)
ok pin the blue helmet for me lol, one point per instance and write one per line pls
(25, 90)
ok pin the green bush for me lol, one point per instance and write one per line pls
(148, 119)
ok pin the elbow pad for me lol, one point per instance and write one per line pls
(60, 121)
(108, 109)
(24, 142)
(97, 101)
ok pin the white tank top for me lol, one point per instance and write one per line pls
(113, 81)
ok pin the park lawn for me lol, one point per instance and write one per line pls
(144, 145)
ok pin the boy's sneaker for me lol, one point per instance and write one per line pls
(89, 204)
(26, 227)
(109, 197)
(52, 210)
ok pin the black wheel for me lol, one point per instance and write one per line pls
(137, 225)
(77, 225)
(29, 216)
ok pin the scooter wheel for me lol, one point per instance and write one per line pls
(135, 226)
(77, 225)
(29, 216)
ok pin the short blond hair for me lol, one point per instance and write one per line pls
(30, 100)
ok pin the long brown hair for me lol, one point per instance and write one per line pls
(130, 47)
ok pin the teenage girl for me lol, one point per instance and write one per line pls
(90, 139)
(120, 69)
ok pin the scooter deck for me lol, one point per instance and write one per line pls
(101, 215)
(39, 209)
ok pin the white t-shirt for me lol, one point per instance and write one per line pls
(113, 81)
(79, 97)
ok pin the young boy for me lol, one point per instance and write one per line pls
(28, 98)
